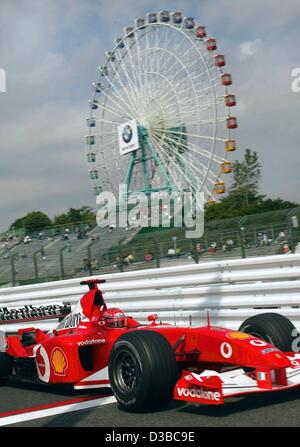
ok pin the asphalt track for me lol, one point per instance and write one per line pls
(281, 409)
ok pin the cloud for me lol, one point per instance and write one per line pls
(50, 51)
(248, 48)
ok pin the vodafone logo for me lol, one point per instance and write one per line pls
(199, 393)
(91, 342)
(258, 343)
(226, 350)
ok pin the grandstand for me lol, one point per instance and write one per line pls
(56, 257)
(81, 250)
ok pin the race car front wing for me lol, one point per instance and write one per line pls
(211, 387)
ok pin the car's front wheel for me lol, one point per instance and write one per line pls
(273, 328)
(142, 370)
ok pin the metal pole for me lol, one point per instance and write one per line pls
(175, 243)
(89, 258)
(290, 227)
(40, 250)
(241, 235)
(196, 255)
(157, 249)
(35, 264)
(242, 243)
(121, 265)
(61, 260)
(13, 270)
(272, 233)
(89, 255)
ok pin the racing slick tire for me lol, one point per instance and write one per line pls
(6, 366)
(142, 370)
(273, 328)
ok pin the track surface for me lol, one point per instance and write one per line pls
(268, 409)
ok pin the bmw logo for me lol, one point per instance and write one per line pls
(127, 134)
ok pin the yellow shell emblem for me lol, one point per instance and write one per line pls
(59, 362)
(238, 335)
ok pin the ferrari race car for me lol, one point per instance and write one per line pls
(145, 365)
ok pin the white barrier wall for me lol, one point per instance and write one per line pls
(231, 290)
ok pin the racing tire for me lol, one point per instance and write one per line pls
(6, 365)
(142, 371)
(273, 328)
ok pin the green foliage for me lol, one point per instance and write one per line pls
(75, 215)
(36, 220)
(227, 208)
(246, 178)
(243, 198)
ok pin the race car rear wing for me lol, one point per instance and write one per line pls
(24, 314)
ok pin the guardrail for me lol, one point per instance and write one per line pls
(231, 290)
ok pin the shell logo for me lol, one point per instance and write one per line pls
(237, 335)
(59, 362)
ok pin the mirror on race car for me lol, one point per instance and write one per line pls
(92, 282)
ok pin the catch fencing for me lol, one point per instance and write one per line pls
(230, 291)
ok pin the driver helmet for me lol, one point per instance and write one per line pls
(114, 318)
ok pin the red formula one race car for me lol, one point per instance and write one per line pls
(145, 365)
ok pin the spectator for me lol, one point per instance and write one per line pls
(265, 240)
(27, 239)
(81, 234)
(87, 265)
(229, 244)
(281, 237)
(171, 252)
(259, 239)
(148, 256)
(198, 249)
(119, 263)
(110, 228)
(129, 259)
(213, 248)
(94, 264)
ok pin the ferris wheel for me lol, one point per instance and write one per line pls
(160, 115)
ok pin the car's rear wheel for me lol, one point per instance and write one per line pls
(273, 328)
(142, 370)
(6, 365)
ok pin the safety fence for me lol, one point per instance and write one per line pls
(107, 250)
(229, 290)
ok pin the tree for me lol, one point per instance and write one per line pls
(36, 220)
(246, 178)
(75, 215)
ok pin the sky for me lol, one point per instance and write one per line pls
(51, 49)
